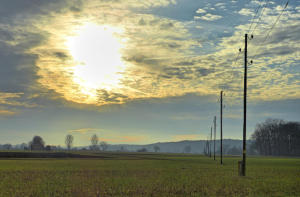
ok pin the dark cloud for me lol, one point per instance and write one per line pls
(185, 63)
(279, 35)
(75, 9)
(143, 60)
(186, 72)
(203, 71)
(10, 9)
(60, 55)
(178, 72)
(166, 26)
(6, 35)
(170, 45)
(278, 51)
(17, 69)
(110, 97)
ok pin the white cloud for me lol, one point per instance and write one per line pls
(208, 17)
(200, 11)
(220, 4)
(246, 12)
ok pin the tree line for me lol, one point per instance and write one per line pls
(277, 138)
(38, 144)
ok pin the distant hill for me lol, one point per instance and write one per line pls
(178, 147)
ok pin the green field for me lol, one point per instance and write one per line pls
(124, 174)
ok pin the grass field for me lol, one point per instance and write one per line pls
(125, 174)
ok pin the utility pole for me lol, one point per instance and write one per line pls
(215, 119)
(245, 110)
(221, 126)
(207, 144)
(210, 141)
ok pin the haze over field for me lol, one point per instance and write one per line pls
(139, 72)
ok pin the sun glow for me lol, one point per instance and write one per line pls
(98, 61)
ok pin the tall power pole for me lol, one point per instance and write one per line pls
(221, 126)
(245, 110)
(215, 122)
(210, 142)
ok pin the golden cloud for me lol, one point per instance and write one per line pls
(158, 56)
(7, 113)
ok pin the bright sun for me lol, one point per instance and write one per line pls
(96, 51)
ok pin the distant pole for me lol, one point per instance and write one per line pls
(207, 145)
(221, 126)
(215, 119)
(210, 141)
(289, 137)
(245, 110)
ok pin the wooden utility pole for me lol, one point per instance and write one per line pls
(210, 142)
(215, 119)
(245, 110)
(221, 126)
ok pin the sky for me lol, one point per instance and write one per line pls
(139, 72)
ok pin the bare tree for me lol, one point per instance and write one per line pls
(69, 141)
(103, 146)
(156, 148)
(277, 137)
(94, 142)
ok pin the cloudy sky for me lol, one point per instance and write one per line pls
(138, 72)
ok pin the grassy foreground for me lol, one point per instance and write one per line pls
(124, 174)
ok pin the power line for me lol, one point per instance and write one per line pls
(256, 12)
(274, 24)
(260, 16)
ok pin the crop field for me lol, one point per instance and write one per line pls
(146, 174)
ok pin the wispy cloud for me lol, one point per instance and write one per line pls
(125, 139)
(84, 130)
(7, 112)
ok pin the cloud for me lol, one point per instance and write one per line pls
(83, 130)
(221, 5)
(162, 56)
(200, 11)
(208, 17)
(15, 100)
(143, 67)
(7, 112)
(246, 12)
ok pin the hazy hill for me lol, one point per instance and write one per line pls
(178, 147)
